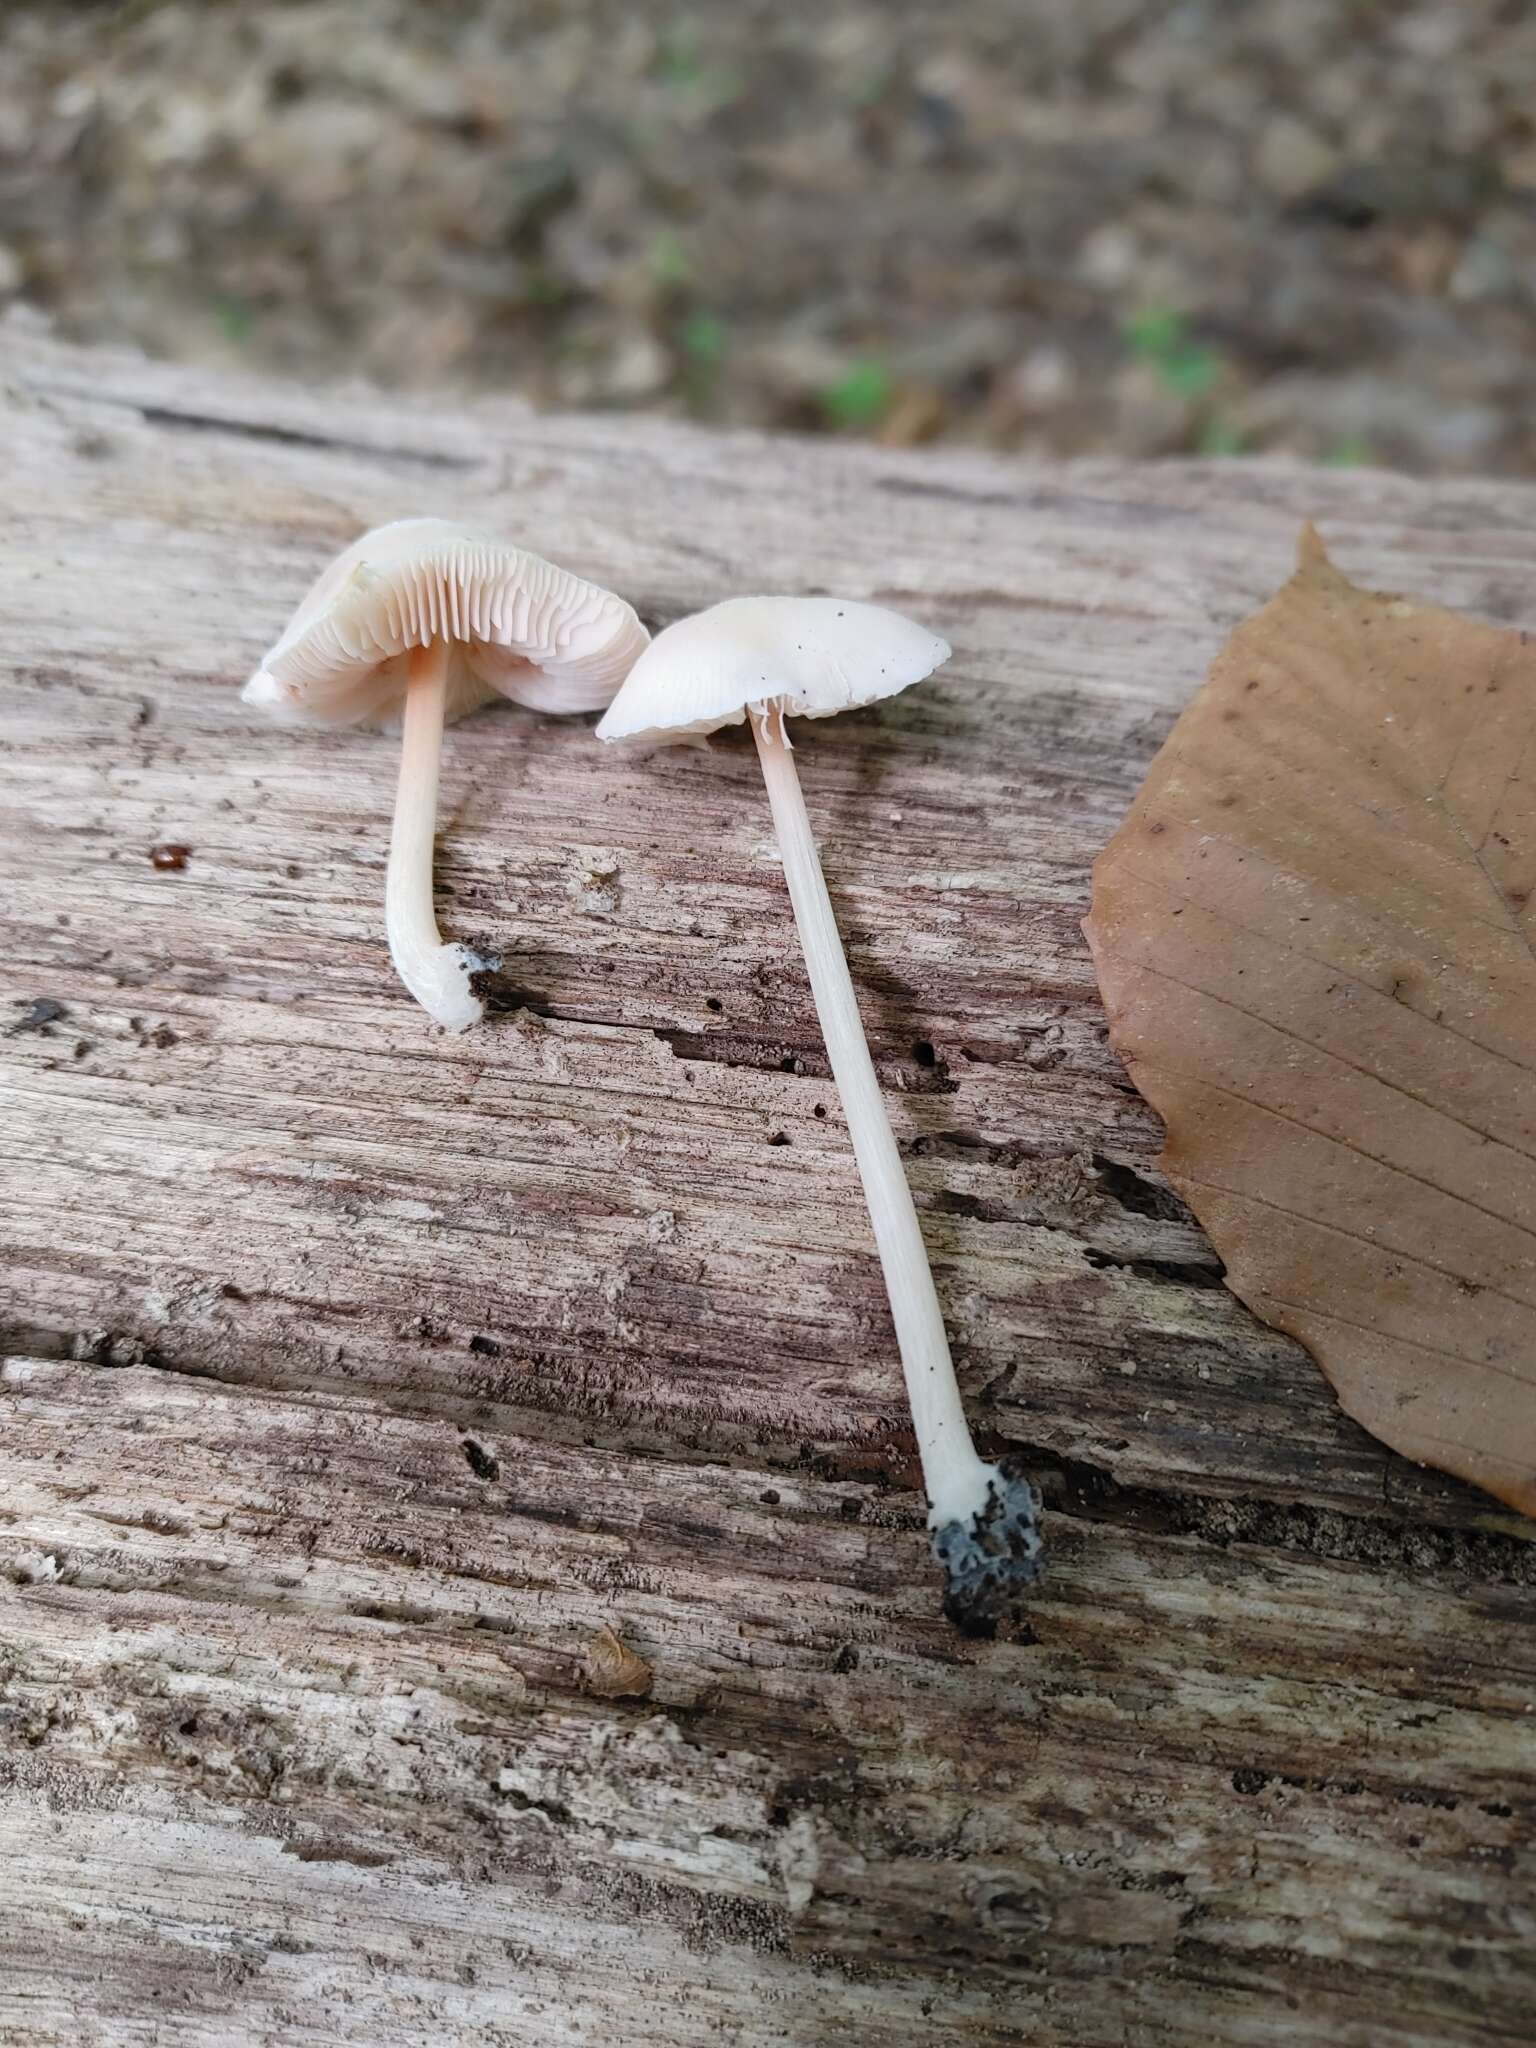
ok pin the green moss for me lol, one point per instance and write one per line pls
(1347, 453)
(1159, 336)
(860, 397)
(703, 339)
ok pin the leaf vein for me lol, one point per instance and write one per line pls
(1375, 1244)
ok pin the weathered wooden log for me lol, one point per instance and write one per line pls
(362, 1375)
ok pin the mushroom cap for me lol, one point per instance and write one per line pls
(521, 627)
(815, 655)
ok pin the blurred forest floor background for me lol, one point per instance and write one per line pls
(1220, 226)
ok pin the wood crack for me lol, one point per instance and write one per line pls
(178, 420)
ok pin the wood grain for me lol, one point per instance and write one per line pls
(362, 1375)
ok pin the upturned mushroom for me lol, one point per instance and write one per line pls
(767, 659)
(420, 622)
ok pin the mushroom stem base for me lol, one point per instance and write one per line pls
(990, 1556)
(437, 975)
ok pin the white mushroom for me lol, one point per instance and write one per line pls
(421, 622)
(768, 658)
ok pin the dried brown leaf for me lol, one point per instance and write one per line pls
(613, 1671)
(1313, 934)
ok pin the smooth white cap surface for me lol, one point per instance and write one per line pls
(814, 655)
(521, 628)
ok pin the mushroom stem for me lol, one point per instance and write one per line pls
(436, 974)
(983, 1518)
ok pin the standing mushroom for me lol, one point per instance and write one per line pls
(423, 621)
(769, 658)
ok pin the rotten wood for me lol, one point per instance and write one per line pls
(362, 1377)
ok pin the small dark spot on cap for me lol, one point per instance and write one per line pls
(485, 1347)
(850, 1509)
(779, 1138)
(924, 1053)
(713, 1003)
(169, 855)
(1156, 827)
(820, 1109)
(847, 1659)
(769, 1496)
(293, 871)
